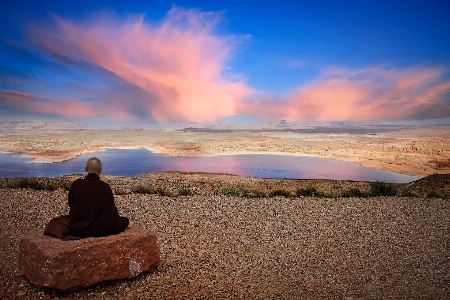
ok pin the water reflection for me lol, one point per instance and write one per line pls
(138, 161)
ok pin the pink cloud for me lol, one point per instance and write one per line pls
(69, 108)
(178, 64)
(27, 102)
(174, 72)
(368, 94)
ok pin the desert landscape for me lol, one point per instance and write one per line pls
(224, 236)
(216, 244)
(288, 150)
(411, 150)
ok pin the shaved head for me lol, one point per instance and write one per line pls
(93, 165)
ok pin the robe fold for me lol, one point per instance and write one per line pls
(92, 209)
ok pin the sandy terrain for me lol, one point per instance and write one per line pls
(222, 247)
(205, 183)
(408, 150)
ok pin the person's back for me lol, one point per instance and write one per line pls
(92, 208)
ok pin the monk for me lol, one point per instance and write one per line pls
(92, 208)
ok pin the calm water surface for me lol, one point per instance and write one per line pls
(137, 161)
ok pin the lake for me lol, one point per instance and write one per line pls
(131, 162)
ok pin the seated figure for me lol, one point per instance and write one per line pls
(93, 212)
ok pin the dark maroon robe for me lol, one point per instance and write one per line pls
(92, 208)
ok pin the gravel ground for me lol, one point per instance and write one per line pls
(216, 247)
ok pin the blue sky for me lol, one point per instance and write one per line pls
(183, 61)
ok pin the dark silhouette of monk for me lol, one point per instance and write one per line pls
(92, 208)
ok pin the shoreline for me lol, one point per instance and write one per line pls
(408, 151)
(43, 159)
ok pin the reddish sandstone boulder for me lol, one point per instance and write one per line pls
(70, 265)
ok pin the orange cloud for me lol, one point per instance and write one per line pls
(27, 102)
(369, 94)
(174, 72)
(69, 108)
(178, 64)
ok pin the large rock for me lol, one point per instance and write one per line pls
(70, 265)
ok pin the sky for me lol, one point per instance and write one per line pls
(161, 62)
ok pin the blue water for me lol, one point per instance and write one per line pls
(138, 161)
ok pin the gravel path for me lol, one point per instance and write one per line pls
(215, 247)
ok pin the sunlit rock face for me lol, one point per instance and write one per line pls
(71, 265)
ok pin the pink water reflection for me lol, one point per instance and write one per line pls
(138, 161)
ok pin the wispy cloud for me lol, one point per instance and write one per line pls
(366, 94)
(69, 108)
(174, 71)
(178, 63)
(28, 102)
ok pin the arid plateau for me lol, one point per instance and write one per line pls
(223, 236)
(411, 150)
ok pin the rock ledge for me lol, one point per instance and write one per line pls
(71, 265)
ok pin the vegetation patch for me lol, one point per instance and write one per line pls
(380, 188)
(433, 194)
(409, 194)
(353, 193)
(36, 184)
(228, 191)
(280, 192)
(66, 185)
(140, 189)
(163, 192)
(185, 192)
(310, 191)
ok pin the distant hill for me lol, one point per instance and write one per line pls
(354, 123)
(436, 182)
(39, 125)
(240, 120)
(333, 123)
